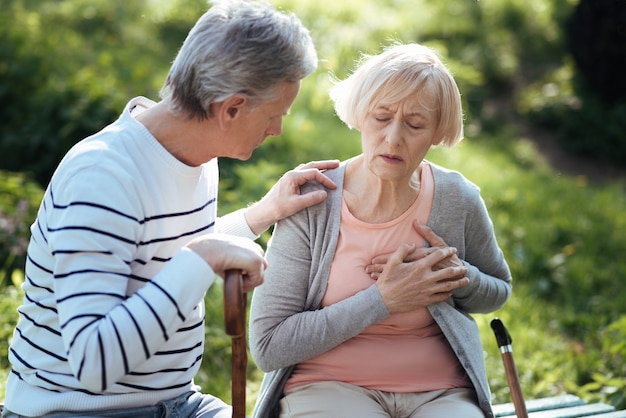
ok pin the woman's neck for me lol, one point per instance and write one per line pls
(374, 200)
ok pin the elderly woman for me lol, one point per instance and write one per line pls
(366, 302)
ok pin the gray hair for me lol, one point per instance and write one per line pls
(238, 47)
(400, 71)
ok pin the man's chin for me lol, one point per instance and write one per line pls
(243, 157)
(247, 157)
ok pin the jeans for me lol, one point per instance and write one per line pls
(188, 405)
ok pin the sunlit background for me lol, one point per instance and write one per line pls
(545, 114)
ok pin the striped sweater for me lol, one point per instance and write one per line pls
(113, 309)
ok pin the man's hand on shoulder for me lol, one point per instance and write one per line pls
(285, 197)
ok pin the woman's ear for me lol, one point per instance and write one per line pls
(437, 141)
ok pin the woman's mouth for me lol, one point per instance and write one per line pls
(392, 159)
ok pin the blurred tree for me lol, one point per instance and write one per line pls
(66, 70)
(583, 102)
(597, 41)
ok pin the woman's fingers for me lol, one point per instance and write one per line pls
(429, 235)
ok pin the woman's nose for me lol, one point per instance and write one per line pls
(394, 132)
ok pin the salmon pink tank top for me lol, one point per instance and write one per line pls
(406, 352)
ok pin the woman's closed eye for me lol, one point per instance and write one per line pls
(414, 125)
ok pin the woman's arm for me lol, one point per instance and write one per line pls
(466, 225)
(488, 271)
(287, 325)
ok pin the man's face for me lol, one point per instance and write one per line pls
(258, 122)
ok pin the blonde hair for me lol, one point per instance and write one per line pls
(399, 72)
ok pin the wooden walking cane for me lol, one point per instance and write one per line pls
(504, 342)
(235, 325)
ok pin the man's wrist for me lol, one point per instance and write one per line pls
(258, 219)
(235, 223)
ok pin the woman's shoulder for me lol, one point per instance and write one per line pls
(335, 174)
(452, 180)
(331, 205)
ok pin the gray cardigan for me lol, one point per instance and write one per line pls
(287, 325)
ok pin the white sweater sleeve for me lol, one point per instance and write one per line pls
(235, 223)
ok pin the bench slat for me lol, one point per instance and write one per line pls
(574, 411)
(615, 414)
(554, 402)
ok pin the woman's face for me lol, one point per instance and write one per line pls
(396, 137)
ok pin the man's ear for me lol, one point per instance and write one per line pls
(229, 110)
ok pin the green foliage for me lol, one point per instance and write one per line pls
(606, 379)
(8, 315)
(19, 201)
(67, 68)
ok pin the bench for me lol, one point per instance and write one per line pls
(563, 406)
